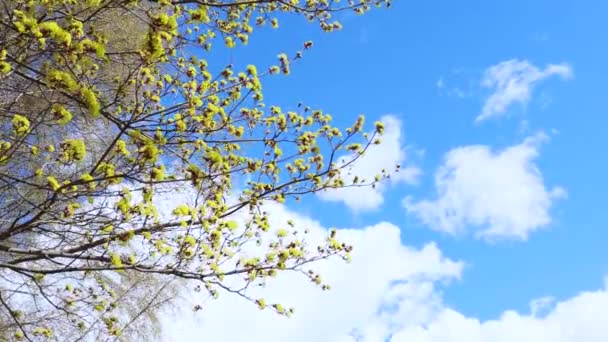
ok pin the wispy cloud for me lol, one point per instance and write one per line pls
(440, 83)
(512, 81)
(458, 82)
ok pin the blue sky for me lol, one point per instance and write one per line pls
(423, 63)
(391, 61)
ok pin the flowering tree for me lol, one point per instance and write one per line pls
(97, 120)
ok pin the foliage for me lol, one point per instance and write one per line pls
(98, 121)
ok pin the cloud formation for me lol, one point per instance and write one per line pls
(497, 194)
(387, 155)
(580, 318)
(512, 81)
(386, 284)
(390, 292)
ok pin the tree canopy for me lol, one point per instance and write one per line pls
(107, 106)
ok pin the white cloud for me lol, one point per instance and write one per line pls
(512, 81)
(386, 284)
(384, 156)
(500, 194)
(388, 293)
(580, 318)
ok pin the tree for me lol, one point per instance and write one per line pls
(95, 126)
